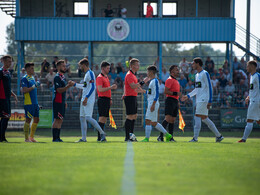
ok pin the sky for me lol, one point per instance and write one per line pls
(240, 14)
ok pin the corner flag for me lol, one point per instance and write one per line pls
(111, 119)
(181, 121)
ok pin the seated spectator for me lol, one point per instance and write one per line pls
(149, 10)
(161, 87)
(236, 64)
(67, 67)
(108, 11)
(112, 66)
(50, 78)
(96, 70)
(113, 73)
(243, 64)
(183, 81)
(222, 82)
(110, 79)
(215, 84)
(215, 73)
(230, 88)
(55, 60)
(225, 65)
(189, 87)
(227, 74)
(191, 76)
(165, 75)
(45, 67)
(22, 73)
(122, 74)
(184, 67)
(238, 75)
(119, 67)
(209, 65)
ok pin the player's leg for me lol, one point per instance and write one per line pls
(5, 114)
(58, 112)
(84, 128)
(148, 130)
(248, 130)
(36, 120)
(197, 127)
(212, 127)
(103, 111)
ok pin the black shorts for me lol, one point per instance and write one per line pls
(58, 110)
(171, 106)
(5, 108)
(103, 106)
(131, 105)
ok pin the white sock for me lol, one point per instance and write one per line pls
(95, 124)
(160, 128)
(197, 127)
(84, 127)
(248, 129)
(148, 130)
(211, 126)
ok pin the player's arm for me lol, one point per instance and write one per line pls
(247, 100)
(104, 89)
(57, 85)
(156, 97)
(15, 96)
(134, 85)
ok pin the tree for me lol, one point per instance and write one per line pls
(10, 40)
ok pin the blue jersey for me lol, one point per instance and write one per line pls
(30, 97)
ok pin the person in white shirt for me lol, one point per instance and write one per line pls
(215, 84)
(88, 101)
(50, 78)
(230, 88)
(151, 116)
(253, 112)
(165, 75)
(203, 92)
(161, 87)
(184, 67)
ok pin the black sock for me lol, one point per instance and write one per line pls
(102, 125)
(4, 124)
(58, 133)
(128, 124)
(55, 133)
(132, 126)
(164, 124)
(170, 128)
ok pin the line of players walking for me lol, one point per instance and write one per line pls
(202, 91)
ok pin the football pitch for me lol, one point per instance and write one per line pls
(116, 167)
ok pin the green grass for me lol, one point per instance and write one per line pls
(205, 167)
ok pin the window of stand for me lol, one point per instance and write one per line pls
(169, 9)
(80, 8)
(154, 5)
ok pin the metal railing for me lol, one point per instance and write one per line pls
(9, 7)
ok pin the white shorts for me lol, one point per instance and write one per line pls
(201, 108)
(86, 110)
(152, 116)
(253, 111)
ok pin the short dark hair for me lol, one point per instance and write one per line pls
(152, 68)
(28, 65)
(172, 67)
(198, 60)
(104, 64)
(252, 62)
(60, 62)
(5, 57)
(133, 61)
(84, 61)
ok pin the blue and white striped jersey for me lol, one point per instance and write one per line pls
(153, 91)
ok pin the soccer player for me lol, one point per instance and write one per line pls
(151, 116)
(31, 106)
(5, 94)
(203, 92)
(172, 92)
(253, 112)
(59, 101)
(88, 101)
(131, 88)
(104, 95)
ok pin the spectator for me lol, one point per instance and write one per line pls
(215, 84)
(157, 63)
(113, 74)
(112, 66)
(222, 82)
(183, 81)
(55, 60)
(121, 13)
(108, 11)
(127, 62)
(165, 75)
(236, 64)
(258, 65)
(227, 74)
(184, 67)
(110, 79)
(230, 88)
(22, 73)
(209, 65)
(149, 10)
(96, 70)
(242, 64)
(67, 67)
(191, 76)
(225, 65)
(50, 78)
(189, 87)
(238, 75)
(119, 67)
(161, 87)
(69, 95)
(122, 74)
(215, 73)
(45, 67)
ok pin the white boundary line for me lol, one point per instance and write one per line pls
(128, 180)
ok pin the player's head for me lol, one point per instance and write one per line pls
(197, 63)
(105, 67)
(61, 66)
(134, 64)
(174, 71)
(251, 66)
(7, 60)
(29, 68)
(84, 64)
(151, 71)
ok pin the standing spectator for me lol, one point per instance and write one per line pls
(242, 64)
(165, 75)
(128, 62)
(236, 64)
(50, 78)
(183, 81)
(96, 70)
(184, 67)
(225, 65)
(45, 66)
(149, 10)
(22, 73)
(108, 11)
(121, 13)
(67, 67)
(215, 84)
(209, 65)
(55, 60)
(122, 74)
(161, 87)
(112, 66)
(113, 73)
(119, 67)
(230, 88)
